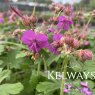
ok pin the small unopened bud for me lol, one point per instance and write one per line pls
(76, 31)
(82, 36)
(35, 56)
(68, 39)
(75, 43)
(62, 40)
(78, 25)
(51, 30)
(17, 33)
(26, 21)
(86, 43)
(33, 19)
(53, 19)
(84, 55)
(57, 9)
(68, 9)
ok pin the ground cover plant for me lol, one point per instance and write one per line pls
(53, 56)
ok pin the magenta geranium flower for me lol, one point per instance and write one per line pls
(57, 37)
(64, 22)
(1, 20)
(56, 43)
(66, 90)
(35, 41)
(85, 90)
(50, 29)
(84, 84)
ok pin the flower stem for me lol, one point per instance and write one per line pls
(59, 13)
(38, 69)
(65, 62)
(45, 65)
(34, 9)
(90, 18)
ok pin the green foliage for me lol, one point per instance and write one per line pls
(75, 64)
(34, 80)
(11, 89)
(86, 4)
(21, 55)
(89, 67)
(54, 58)
(47, 87)
(1, 49)
(4, 74)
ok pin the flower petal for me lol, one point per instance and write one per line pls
(28, 36)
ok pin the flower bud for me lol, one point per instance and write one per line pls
(53, 19)
(62, 40)
(85, 55)
(57, 9)
(78, 25)
(66, 90)
(33, 19)
(26, 21)
(68, 9)
(84, 84)
(82, 36)
(68, 39)
(75, 43)
(51, 30)
(17, 33)
(76, 31)
(35, 56)
(86, 43)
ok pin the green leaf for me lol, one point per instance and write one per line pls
(1, 62)
(90, 84)
(76, 93)
(47, 87)
(11, 61)
(1, 48)
(76, 83)
(54, 58)
(4, 74)
(38, 61)
(21, 55)
(11, 89)
(93, 91)
(33, 80)
(1, 70)
(89, 67)
(75, 64)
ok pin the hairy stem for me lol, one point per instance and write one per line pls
(64, 76)
(38, 69)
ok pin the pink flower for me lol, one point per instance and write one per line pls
(85, 90)
(64, 22)
(56, 43)
(1, 20)
(35, 41)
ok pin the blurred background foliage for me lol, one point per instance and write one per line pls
(86, 4)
